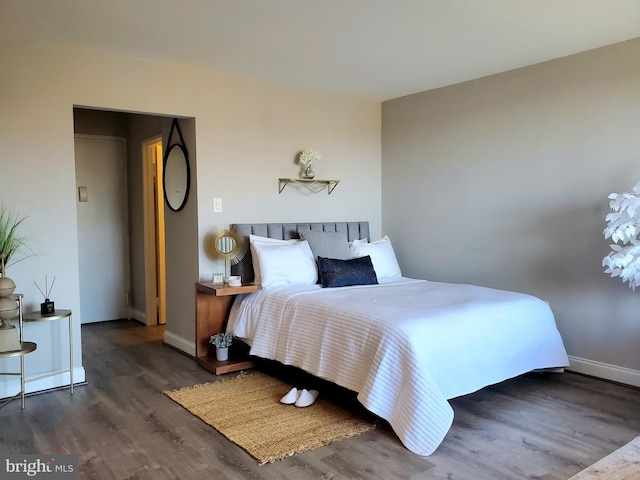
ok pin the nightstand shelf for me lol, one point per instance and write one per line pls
(213, 303)
(221, 367)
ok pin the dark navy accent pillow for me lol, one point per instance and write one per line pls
(334, 272)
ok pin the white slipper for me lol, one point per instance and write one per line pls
(306, 398)
(291, 397)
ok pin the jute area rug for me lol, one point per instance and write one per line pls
(623, 464)
(247, 410)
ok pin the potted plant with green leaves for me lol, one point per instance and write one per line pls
(10, 243)
(222, 341)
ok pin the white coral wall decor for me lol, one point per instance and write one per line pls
(623, 227)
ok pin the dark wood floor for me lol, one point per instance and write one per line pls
(122, 427)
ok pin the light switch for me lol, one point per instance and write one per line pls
(83, 195)
(217, 205)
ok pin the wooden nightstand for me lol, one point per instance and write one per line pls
(213, 303)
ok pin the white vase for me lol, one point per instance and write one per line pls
(9, 308)
(8, 304)
(222, 353)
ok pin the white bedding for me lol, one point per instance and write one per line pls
(406, 346)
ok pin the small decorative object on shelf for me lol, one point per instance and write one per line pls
(218, 278)
(305, 160)
(47, 307)
(222, 341)
(308, 172)
(623, 225)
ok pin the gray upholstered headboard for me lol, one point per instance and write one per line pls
(287, 231)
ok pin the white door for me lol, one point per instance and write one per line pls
(102, 227)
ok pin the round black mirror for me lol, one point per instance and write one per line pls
(176, 177)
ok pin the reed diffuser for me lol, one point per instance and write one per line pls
(47, 307)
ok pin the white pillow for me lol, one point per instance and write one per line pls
(283, 262)
(382, 256)
(257, 274)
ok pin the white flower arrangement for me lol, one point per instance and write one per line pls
(307, 157)
(624, 226)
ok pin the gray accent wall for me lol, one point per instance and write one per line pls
(503, 181)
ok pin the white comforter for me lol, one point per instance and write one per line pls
(405, 347)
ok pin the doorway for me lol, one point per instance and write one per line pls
(145, 135)
(154, 237)
(135, 130)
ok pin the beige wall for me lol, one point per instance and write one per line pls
(246, 134)
(500, 181)
(503, 182)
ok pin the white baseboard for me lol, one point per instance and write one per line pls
(138, 315)
(604, 370)
(180, 343)
(12, 386)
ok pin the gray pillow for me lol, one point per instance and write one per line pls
(327, 244)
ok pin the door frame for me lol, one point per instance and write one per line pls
(154, 238)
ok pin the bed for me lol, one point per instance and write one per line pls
(404, 345)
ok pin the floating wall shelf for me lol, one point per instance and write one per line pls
(311, 184)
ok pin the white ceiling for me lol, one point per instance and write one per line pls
(377, 48)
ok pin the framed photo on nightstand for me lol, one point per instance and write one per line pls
(218, 278)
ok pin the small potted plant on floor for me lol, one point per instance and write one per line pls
(222, 341)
